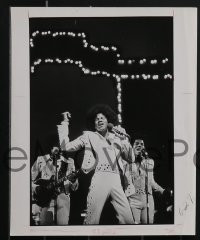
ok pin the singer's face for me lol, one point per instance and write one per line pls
(138, 146)
(101, 123)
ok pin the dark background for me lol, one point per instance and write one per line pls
(4, 99)
(147, 104)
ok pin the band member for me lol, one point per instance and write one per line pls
(140, 184)
(104, 151)
(51, 193)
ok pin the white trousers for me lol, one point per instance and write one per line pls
(103, 185)
(47, 215)
(139, 207)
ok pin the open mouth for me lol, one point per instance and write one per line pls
(100, 124)
(138, 149)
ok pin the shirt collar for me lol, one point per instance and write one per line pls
(111, 136)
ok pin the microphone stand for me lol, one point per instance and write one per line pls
(55, 203)
(55, 182)
(146, 186)
(55, 157)
(63, 132)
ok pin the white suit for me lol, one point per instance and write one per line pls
(105, 156)
(45, 169)
(140, 185)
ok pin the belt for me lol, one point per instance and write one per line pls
(105, 167)
(140, 191)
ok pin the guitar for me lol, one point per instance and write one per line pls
(47, 189)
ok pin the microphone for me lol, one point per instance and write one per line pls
(144, 153)
(114, 130)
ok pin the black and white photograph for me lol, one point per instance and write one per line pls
(109, 78)
(105, 132)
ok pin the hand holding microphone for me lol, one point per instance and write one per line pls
(144, 153)
(118, 131)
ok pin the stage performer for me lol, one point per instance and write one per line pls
(105, 147)
(53, 200)
(141, 184)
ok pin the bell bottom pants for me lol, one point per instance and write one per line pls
(103, 185)
(139, 208)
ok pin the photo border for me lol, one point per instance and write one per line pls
(185, 70)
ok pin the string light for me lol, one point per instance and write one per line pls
(120, 61)
(119, 108)
(141, 61)
(72, 34)
(119, 118)
(144, 76)
(32, 69)
(34, 34)
(124, 76)
(31, 42)
(155, 77)
(87, 71)
(154, 61)
(114, 48)
(98, 72)
(91, 46)
(119, 100)
(167, 76)
(165, 60)
(130, 61)
(104, 73)
(118, 79)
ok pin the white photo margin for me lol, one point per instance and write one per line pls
(185, 95)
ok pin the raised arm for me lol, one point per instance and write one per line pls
(74, 145)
